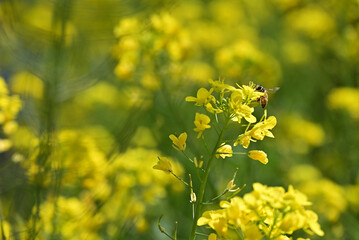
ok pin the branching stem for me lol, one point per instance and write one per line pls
(199, 202)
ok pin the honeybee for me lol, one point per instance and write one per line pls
(263, 100)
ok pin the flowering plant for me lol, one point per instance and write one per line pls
(266, 212)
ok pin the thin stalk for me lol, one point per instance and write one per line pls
(204, 183)
(202, 234)
(205, 144)
(238, 233)
(162, 230)
(185, 183)
(189, 159)
(215, 198)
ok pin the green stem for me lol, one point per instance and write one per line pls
(204, 183)
(189, 159)
(239, 234)
(215, 198)
(179, 178)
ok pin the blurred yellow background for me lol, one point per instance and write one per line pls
(90, 91)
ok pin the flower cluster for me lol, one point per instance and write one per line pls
(229, 105)
(9, 107)
(91, 179)
(345, 98)
(264, 213)
(139, 44)
(328, 198)
(236, 104)
(301, 141)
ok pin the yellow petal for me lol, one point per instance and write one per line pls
(212, 236)
(258, 155)
(191, 99)
(163, 164)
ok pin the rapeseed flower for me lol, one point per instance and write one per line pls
(5, 145)
(127, 26)
(179, 143)
(243, 139)
(235, 104)
(328, 197)
(211, 109)
(212, 236)
(201, 121)
(266, 212)
(216, 220)
(203, 97)
(27, 84)
(258, 155)
(239, 109)
(345, 98)
(10, 105)
(224, 151)
(302, 141)
(311, 21)
(249, 93)
(261, 129)
(258, 132)
(163, 164)
(220, 87)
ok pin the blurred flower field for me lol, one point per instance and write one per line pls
(158, 119)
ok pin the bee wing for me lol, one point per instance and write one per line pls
(253, 104)
(273, 90)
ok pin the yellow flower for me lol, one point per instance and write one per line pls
(10, 127)
(269, 211)
(216, 220)
(243, 139)
(246, 112)
(224, 151)
(312, 21)
(292, 221)
(3, 88)
(250, 93)
(239, 109)
(312, 221)
(261, 129)
(284, 237)
(237, 212)
(345, 98)
(252, 232)
(5, 145)
(201, 121)
(203, 97)
(302, 141)
(163, 164)
(297, 196)
(219, 86)
(212, 236)
(258, 155)
(165, 23)
(27, 84)
(213, 110)
(179, 143)
(127, 26)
